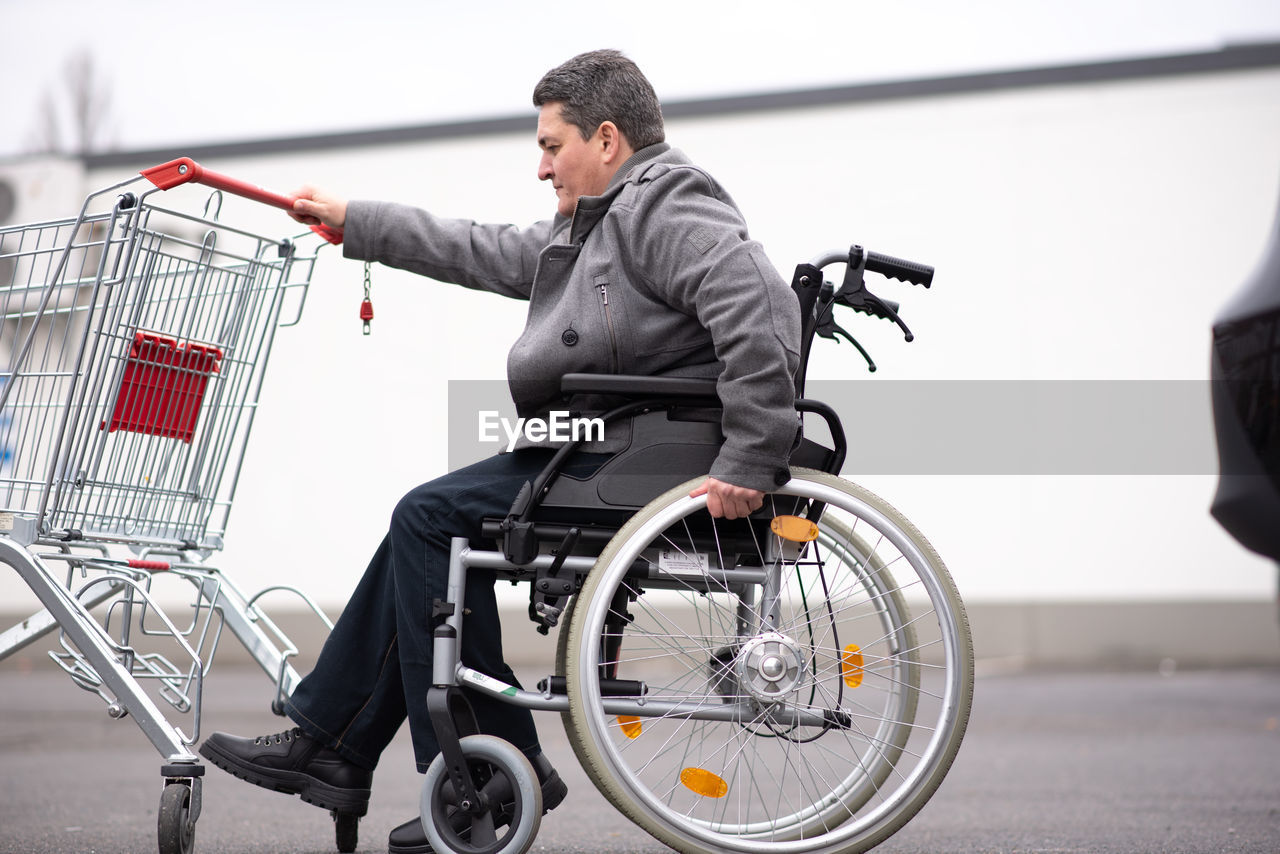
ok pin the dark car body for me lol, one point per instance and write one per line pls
(1245, 374)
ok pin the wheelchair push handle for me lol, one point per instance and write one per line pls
(886, 265)
(817, 297)
(184, 170)
(899, 268)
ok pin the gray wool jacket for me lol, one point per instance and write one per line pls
(657, 276)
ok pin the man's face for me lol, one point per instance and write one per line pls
(574, 166)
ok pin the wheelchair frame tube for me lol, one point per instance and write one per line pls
(687, 709)
(495, 560)
(447, 639)
(718, 579)
(447, 667)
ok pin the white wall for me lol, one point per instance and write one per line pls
(1084, 232)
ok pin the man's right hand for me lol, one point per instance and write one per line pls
(316, 207)
(728, 501)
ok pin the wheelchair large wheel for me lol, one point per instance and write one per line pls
(807, 675)
(850, 549)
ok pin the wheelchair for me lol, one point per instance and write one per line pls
(795, 681)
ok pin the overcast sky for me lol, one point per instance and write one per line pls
(179, 72)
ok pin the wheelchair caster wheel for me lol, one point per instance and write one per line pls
(176, 830)
(510, 809)
(346, 830)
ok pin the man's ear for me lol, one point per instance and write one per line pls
(612, 141)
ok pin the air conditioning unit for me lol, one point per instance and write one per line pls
(39, 189)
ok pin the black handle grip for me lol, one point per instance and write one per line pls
(885, 265)
(897, 268)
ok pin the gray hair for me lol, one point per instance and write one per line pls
(604, 86)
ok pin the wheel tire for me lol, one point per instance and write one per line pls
(895, 736)
(876, 782)
(562, 659)
(176, 835)
(499, 771)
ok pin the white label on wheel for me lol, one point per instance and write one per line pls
(6, 521)
(670, 560)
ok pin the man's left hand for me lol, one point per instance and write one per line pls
(727, 500)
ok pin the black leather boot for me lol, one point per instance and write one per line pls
(296, 764)
(410, 838)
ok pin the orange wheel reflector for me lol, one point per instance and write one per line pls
(702, 782)
(794, 528)
(851, 665)
(630, 725)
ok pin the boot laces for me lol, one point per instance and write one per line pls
(279, 737)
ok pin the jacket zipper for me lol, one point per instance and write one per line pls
(608, 319)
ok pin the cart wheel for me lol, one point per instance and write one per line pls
(510, 794)
(177, 835)
(346, 827)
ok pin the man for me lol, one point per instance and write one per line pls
(646, 268)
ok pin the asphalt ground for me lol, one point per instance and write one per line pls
(1099, 762)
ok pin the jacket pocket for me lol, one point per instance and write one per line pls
(611, 332)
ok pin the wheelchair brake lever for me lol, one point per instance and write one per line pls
(862, 300)
(548, 589)
(874, 307)
(871, 365)
(868, 303)
(853, 293)
(828, 328)
(566, 548)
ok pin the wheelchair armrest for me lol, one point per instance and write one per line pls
(624, 385)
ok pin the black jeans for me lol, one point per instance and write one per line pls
(375, 667)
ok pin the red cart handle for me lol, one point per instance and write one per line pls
(184, 170)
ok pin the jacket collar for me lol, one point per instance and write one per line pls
(631, 167)
(591, 209)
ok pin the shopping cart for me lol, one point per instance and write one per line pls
(134, 341)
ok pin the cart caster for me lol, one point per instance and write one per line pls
(510, 797)
(346, 829)
(176, 825)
